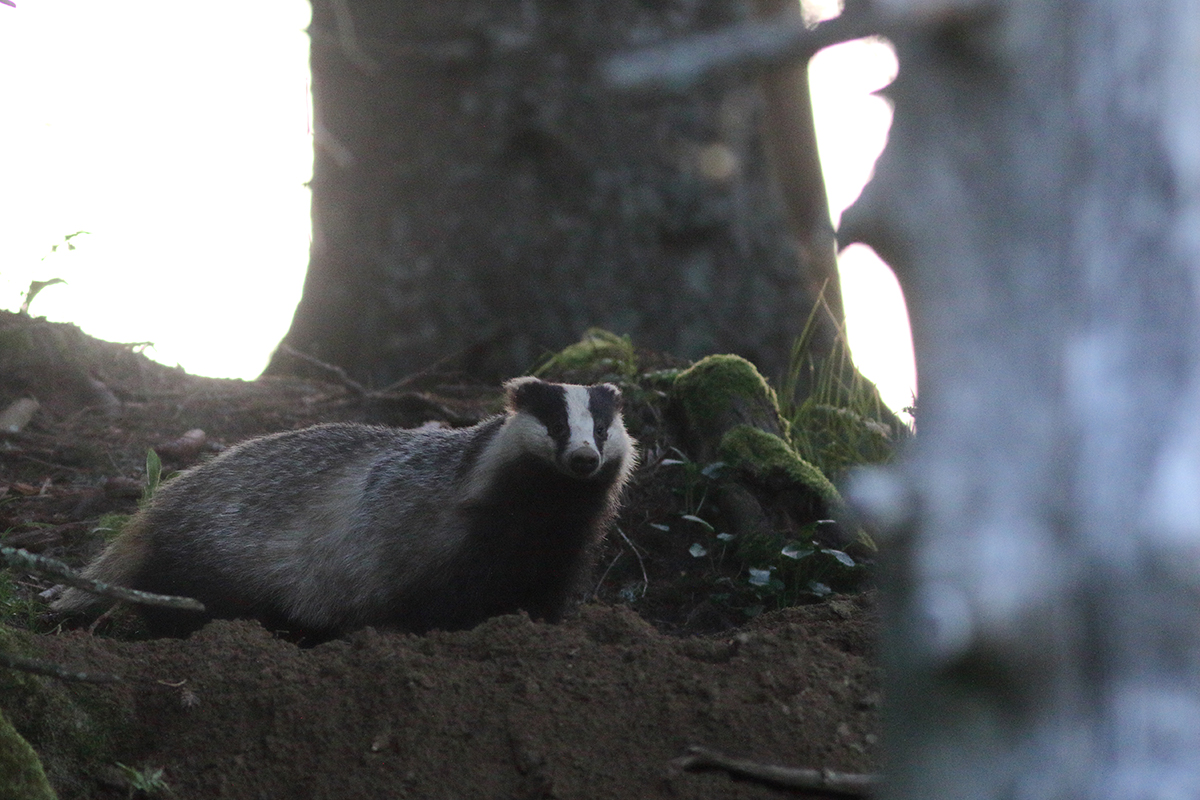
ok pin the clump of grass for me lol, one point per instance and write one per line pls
(842, 422)
(145, 782)
(18, 606)
(110, 525)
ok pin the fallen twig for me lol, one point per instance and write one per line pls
(54, 670)
(851, 784)
(52, 567)
(337, 373)
(641, 563)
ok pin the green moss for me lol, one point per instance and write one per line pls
(21, 773)
(715, 384)
(766, 456)
(598, 352)
(17, 644)
(71, 725)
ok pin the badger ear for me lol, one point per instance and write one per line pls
(605, 399)
(616, 391)
(523, 392)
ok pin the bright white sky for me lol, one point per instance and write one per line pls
(179, 138)
(177, 134)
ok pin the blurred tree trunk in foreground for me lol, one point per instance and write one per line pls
(479, 195)
(1040, 200)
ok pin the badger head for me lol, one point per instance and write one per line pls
(577, 428)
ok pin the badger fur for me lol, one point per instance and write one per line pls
(331, 528)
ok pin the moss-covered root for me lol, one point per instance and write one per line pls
(598, 355)
(21, 773)
(719, 393)
(769, 460)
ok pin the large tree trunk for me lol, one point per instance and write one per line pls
(1040, 200)
(479, 195)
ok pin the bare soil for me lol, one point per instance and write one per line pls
(595, 707)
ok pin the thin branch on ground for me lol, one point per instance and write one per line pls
(433, 369)
(641, 563)
(850, 784)
(53, 568)
(38, 667)
(599, 583)
(335, 372)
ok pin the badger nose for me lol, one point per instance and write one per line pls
(583, 461)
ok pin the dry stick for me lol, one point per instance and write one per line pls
(599, 583)
(641, 563)
(54, 670)
(22, 559)
(851, 784)
(432, 369)
(337, 373)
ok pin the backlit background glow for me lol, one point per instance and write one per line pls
(180, 139)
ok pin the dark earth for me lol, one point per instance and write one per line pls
(651, 662)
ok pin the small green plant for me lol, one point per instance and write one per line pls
(764, 571)
(18, 607)
(698, 479)
(35, 287)
(67, 241)
(148, 782)
(110, 525)
(153, 475)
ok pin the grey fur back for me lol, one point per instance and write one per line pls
(301, 520)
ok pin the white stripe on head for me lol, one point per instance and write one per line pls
(579, 418)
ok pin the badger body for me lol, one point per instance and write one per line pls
(335, 527)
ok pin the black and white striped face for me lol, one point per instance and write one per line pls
(580, 426)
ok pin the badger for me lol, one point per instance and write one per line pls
(335, 527)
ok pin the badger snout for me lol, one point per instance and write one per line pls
(583, 460)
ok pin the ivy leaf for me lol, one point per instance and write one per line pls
(760, 577)
(840, 556)
(796, 552)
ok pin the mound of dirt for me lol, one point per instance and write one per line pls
(595, 707)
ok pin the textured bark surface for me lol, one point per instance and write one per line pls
(478, 194)
(1040, 201)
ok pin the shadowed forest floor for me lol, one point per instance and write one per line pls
(596, 707)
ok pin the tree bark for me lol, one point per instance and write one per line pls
(479, 195)
(1039, 199)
